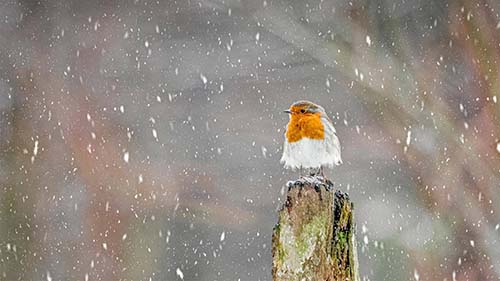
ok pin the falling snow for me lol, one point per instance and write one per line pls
(179, 273)
(203, 78)
(126, 157)
(141, 140)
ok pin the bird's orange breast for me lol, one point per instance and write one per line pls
(305, 126)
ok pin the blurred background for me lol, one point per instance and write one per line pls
(140, 140)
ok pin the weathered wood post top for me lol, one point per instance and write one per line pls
(314, 238)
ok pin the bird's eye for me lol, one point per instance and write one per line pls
(302, 111)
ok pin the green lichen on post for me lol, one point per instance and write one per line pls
(343, 228)
(314, 238)
(309, 233)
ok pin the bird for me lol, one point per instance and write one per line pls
(310, 142)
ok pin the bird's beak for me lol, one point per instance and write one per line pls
(287, 111)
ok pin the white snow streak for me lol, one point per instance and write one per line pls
(126, 157)
(203, 78)
(179, 273)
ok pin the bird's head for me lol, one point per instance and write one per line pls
(303, 108)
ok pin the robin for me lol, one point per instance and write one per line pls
(310, 140)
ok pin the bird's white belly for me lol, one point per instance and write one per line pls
(311, 153)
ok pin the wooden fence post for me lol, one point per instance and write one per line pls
(314, 238)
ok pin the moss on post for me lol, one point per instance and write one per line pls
(314, 238)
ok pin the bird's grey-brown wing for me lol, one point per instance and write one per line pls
(332, 141)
